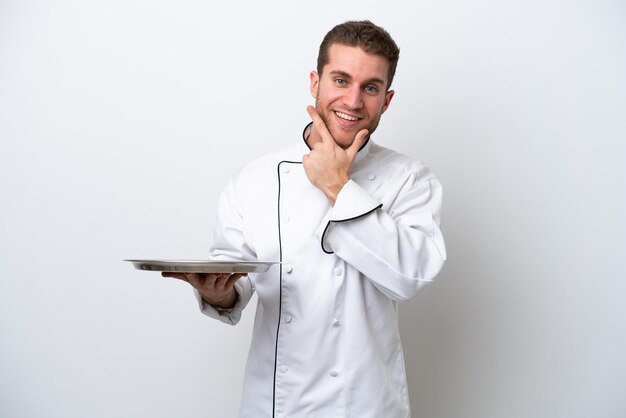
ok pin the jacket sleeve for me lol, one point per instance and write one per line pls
(229, 316)
(398, 244)
(229, 244)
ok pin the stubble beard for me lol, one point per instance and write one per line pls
(326, 117)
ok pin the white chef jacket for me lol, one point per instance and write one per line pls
(326, 341)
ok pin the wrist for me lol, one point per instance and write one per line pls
(223, 304)
(332, 191)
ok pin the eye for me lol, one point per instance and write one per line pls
(371, 89)
(340, 82)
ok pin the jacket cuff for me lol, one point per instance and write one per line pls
(353, 202)
(228, 316)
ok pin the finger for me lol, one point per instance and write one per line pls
(359, 140)
(203, 280)
(318, 145)
(319, 124)
(233, 279)
(196, 279)
(179, 276)
(228, 278)
(313, 112)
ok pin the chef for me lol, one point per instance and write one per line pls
(356, 228)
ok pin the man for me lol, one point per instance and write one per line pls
(356, 228)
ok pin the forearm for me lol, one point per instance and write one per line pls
(400, 254)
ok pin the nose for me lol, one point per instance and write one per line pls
(353, 98)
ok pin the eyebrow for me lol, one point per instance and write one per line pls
(349, 77)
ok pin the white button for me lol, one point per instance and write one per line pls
(288, 319)
(371, 177)
(288, 268)
(284, 369)
(334, 373)
(286, 169)
(336, 323)
(338, 271)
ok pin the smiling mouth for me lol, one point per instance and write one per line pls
(347, 117)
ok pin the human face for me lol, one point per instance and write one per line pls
(350, 94)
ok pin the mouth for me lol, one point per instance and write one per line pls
(346, 117)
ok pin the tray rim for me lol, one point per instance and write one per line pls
(202, 266)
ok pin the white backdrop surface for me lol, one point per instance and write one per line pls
(121, 121)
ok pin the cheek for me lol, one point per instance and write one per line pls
(375, 107)
(383, 104)
(323, 96)
(327, 94)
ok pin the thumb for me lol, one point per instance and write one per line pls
(359, 140)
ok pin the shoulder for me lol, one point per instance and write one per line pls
(253, 180)
(395, 164)
(271, 160)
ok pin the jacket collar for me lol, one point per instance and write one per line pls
(363, 151)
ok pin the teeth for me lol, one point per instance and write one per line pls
(346, 116)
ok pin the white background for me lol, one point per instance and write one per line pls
(121, 121)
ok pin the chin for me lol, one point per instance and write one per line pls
(344, 141)
(343, 145)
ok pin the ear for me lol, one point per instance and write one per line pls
(315, 82)
(388, 97)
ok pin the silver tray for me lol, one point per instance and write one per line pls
(203, 266)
